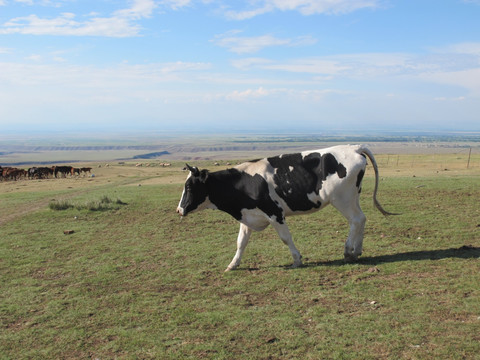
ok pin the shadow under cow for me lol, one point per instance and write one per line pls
(463, 252)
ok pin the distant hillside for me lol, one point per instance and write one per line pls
(152, 155)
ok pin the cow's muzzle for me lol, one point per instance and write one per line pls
(180, 211)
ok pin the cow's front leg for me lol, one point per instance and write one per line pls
(284, 233)
(242, 241)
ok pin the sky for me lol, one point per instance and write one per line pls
(259, 65)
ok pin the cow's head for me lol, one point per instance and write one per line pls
(195, 194)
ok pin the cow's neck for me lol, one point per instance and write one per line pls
(222, 193)
(220, 185)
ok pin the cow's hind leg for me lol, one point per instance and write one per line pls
(284, 233)
(242, 241)
(356, 219)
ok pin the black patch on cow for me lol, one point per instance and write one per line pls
(232, 190)
(332, 166)
(297, 176)
(359, 179)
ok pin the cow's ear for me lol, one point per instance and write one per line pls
(193, 170)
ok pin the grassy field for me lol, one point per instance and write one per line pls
(134, 281)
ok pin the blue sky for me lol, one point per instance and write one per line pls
(285, 65)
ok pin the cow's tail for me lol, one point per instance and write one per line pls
(365, 151)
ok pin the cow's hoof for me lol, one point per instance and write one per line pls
(230, 268)
(296, 265)
(351, 258)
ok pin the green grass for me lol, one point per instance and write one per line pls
(137, 282)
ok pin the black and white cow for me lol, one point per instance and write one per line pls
(263, 192)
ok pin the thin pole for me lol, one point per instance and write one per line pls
(468, 162)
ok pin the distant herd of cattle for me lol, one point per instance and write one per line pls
(11, 173)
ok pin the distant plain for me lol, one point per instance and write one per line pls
(40, 149)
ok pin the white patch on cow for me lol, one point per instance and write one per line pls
(314, 197)
(180, 209)
(207, 204)
(260, 167)
(290, 168)
(255, 219)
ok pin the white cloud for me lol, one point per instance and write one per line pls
(442, 99)
(34, 57)
(310, 7)
(467, 79)
(245, 45)
(362, 65)
(175, 4)
(120, 24)
(311, 66)
(317, 66)
(139, 9)
(247, 14)
(123, 75)
(287, 94)
(460, 68)
(49, 3)
(247, 94)
(65, 24)
(305, 7)
(247, 63)
(471, 48)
